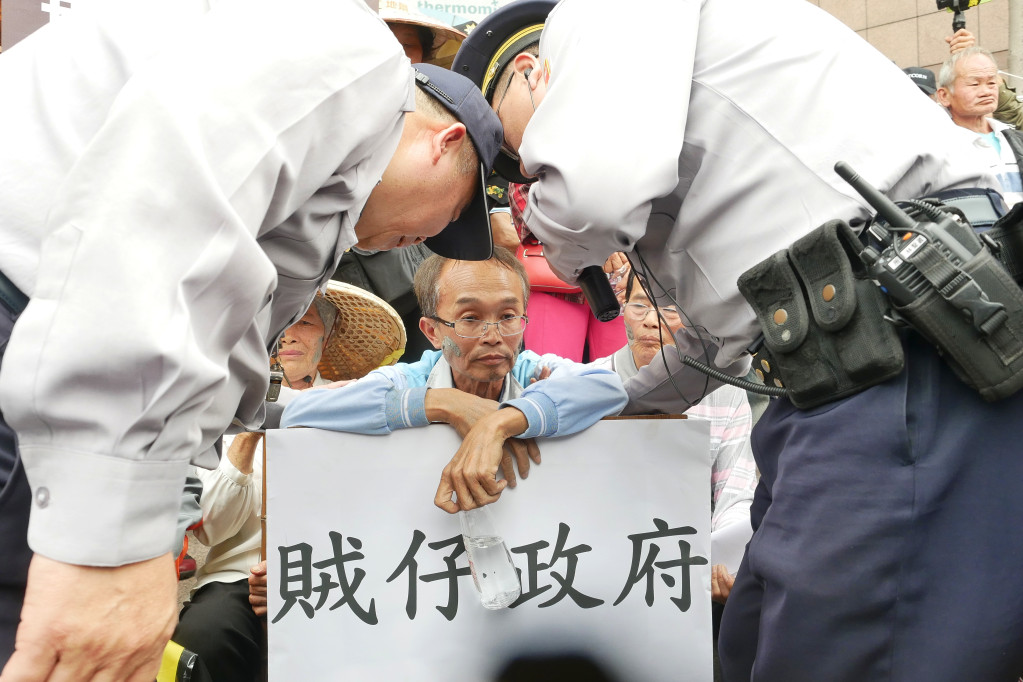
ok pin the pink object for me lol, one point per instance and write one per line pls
(563, 328)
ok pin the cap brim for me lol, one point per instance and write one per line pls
(469, 237)
(508, 168)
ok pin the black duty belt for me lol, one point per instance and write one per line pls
(11, 296)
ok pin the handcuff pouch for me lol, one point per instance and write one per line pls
(822, 318)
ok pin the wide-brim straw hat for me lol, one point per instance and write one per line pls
(367, 334)
(446, 39)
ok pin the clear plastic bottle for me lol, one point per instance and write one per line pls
(489, 559)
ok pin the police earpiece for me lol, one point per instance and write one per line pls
(525, 74)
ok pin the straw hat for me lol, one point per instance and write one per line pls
(446, 39)
(367, 334)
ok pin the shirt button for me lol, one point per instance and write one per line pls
(42, 497)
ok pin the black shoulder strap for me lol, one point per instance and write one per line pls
(1015, 139)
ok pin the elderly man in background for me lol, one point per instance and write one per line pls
(1010, 106)
(968, 86)
(651, 331)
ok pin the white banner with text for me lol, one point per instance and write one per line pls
(610, 535)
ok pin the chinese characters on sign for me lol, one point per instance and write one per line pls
(309, 583)
(611, 553)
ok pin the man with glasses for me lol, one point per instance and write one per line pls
(651, 329)
(498, 398)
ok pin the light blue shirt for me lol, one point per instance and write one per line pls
(572, 398)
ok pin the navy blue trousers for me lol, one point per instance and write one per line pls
(14, 508)
(889, 538)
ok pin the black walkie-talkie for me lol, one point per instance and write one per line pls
(892, 267)
(949, 287)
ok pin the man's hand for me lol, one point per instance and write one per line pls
(517, 453)
(94, 623)
(721, 582)
(617, 269)
(472, 472)
(464, 410)
(257, 588)
(960, 40)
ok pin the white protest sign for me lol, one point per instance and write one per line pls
(368, 580)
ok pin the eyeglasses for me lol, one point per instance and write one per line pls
(505, 147)
(638, 311)
(471, 328)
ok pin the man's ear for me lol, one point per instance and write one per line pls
(527, 65)
(943, 96)
(429, 329)
(448, 140)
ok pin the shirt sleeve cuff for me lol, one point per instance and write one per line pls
(406, 408)
(541, 414)
(229, 471)
(97, 510)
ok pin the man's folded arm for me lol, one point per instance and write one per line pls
(574, 397)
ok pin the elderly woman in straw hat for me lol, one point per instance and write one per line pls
(344, 334)
(301, 346)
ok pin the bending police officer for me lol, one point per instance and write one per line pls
(703, 145)
(166, 214)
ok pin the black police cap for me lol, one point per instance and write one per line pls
(491, 45)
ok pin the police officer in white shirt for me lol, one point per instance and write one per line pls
(701, 143)
(178, 180)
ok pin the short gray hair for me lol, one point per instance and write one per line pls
(427, 279)
(468, 159)
(947, 75)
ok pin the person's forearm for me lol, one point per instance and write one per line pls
(503, 230)
(366, 406)
(439, 404)
(572, 399)
(507, 422)
(243, 451)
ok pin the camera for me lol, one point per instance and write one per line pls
(958, 7)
